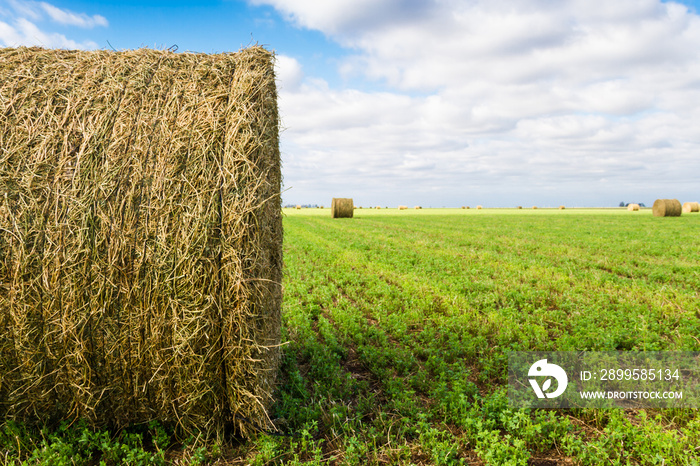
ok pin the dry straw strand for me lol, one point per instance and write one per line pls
(342, 207)
(140, 240)
(667, 208)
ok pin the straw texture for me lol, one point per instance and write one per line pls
(342, 207)
(140, 237)
(667, 208)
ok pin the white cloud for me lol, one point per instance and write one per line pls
(9, 35)
(289, 72)
(25, 9)
(513, 44)
(340, 16)
(70, 18)
(24, 32)
(532, 94)
(22, 26)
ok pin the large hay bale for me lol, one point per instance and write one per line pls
(689, 207)
(667, 208)
(140, 237)
(633, 207)
(403, 207)
(342, 207)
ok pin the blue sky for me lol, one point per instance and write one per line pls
(442, 102)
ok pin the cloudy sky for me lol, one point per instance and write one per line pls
(442, 102)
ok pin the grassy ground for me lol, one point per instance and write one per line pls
(398, 326)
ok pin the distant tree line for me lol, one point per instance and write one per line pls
(305, 206)
(625, 204)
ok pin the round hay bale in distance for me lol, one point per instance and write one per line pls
(561, 207)
(519, 207)
(633, 207)
(667, 208)
(342, 207)
(534, 207)
(418, 207)
(479, 207)
(403, 207)
(689, 207)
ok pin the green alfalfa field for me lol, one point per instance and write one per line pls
(397, 328)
